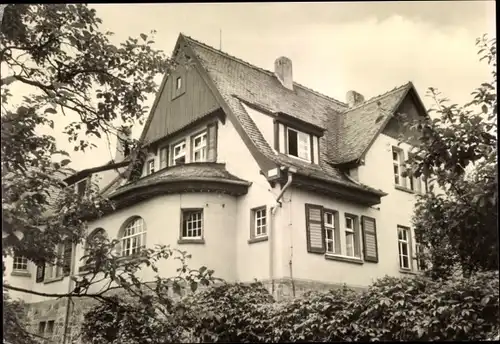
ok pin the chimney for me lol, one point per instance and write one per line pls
(354, 98)
(283, 71)
(122, 145)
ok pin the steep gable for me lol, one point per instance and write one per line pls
(182, 99)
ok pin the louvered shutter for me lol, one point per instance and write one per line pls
(163, 157)
(40, 273)
(67, 255)
(315, 229)
(369, 231)
(212, 142)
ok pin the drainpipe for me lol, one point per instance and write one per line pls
(271, 226)
(70, 285)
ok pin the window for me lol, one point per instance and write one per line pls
(200, 147)
(349, 236)
(179, 153)
(151, 167)
(299, 144)
(133, 237)
(62, 263)
(192, 223)
(260, 222)
(178, 83)
(330, 232)
(421, 266)
(41, 328)
(20, 263)
(397, 162)
(81, 187)
(50, 328)
(98, 236)
(404, 247)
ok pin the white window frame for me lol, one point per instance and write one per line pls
(260, 222)
(133, 237)
(202, 148)
(193, 217)
(151, 167)
(178, 83)
(53, 271)
(20, 263)
(300, 147)
(350, 233)
(330, 229)
(398, 163)
(182, 152)
(404, 240)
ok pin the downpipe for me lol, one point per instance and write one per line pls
(272, 228)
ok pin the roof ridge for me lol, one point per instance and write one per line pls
(248, 64)
(372, 99)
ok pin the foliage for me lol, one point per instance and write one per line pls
(456, 222)
(392, 309)
(13, 318)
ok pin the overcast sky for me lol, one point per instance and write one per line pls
(335, 47)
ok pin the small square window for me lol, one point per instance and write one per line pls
(178, 83)
(20, 263)
(192, 224)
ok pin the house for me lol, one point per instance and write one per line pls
(259, 177)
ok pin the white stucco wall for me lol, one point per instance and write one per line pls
(252, 259)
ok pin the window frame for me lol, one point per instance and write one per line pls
(178, 83)
(191, 211)
(309, 144)
(203, 148)
(184, 154)
(163, 152)
(407, 242)
(24, 261)
(150, 167)
(256, 226)
(332, 228)
(401, 181)
(55, 271)
(85, 182)
(124, 236)
(352, 233)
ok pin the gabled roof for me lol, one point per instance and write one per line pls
(237, 80)
(357, 127)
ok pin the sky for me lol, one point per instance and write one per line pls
(369, 47)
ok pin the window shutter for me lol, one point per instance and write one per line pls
(40, 273)
(369, 230)
(164, 157)
(336, 221)
(357, 244)
(67, 253)
(212, 142)
(315, 229)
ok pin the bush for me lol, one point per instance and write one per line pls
(392, 309)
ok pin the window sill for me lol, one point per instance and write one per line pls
(299, 159)
(52, 280)
(20, 273)
(403, 188)
(344, 259)
(191, 241)
(409, 272)
(258, 239)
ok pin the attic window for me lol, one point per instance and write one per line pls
(178, 83)
(151, 167)
(81, 187)
(179, 153)
(299, 144)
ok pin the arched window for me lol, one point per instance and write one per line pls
(97, 236)
(133, 236)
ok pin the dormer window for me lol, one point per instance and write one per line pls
(299, 144)
(179, 153)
